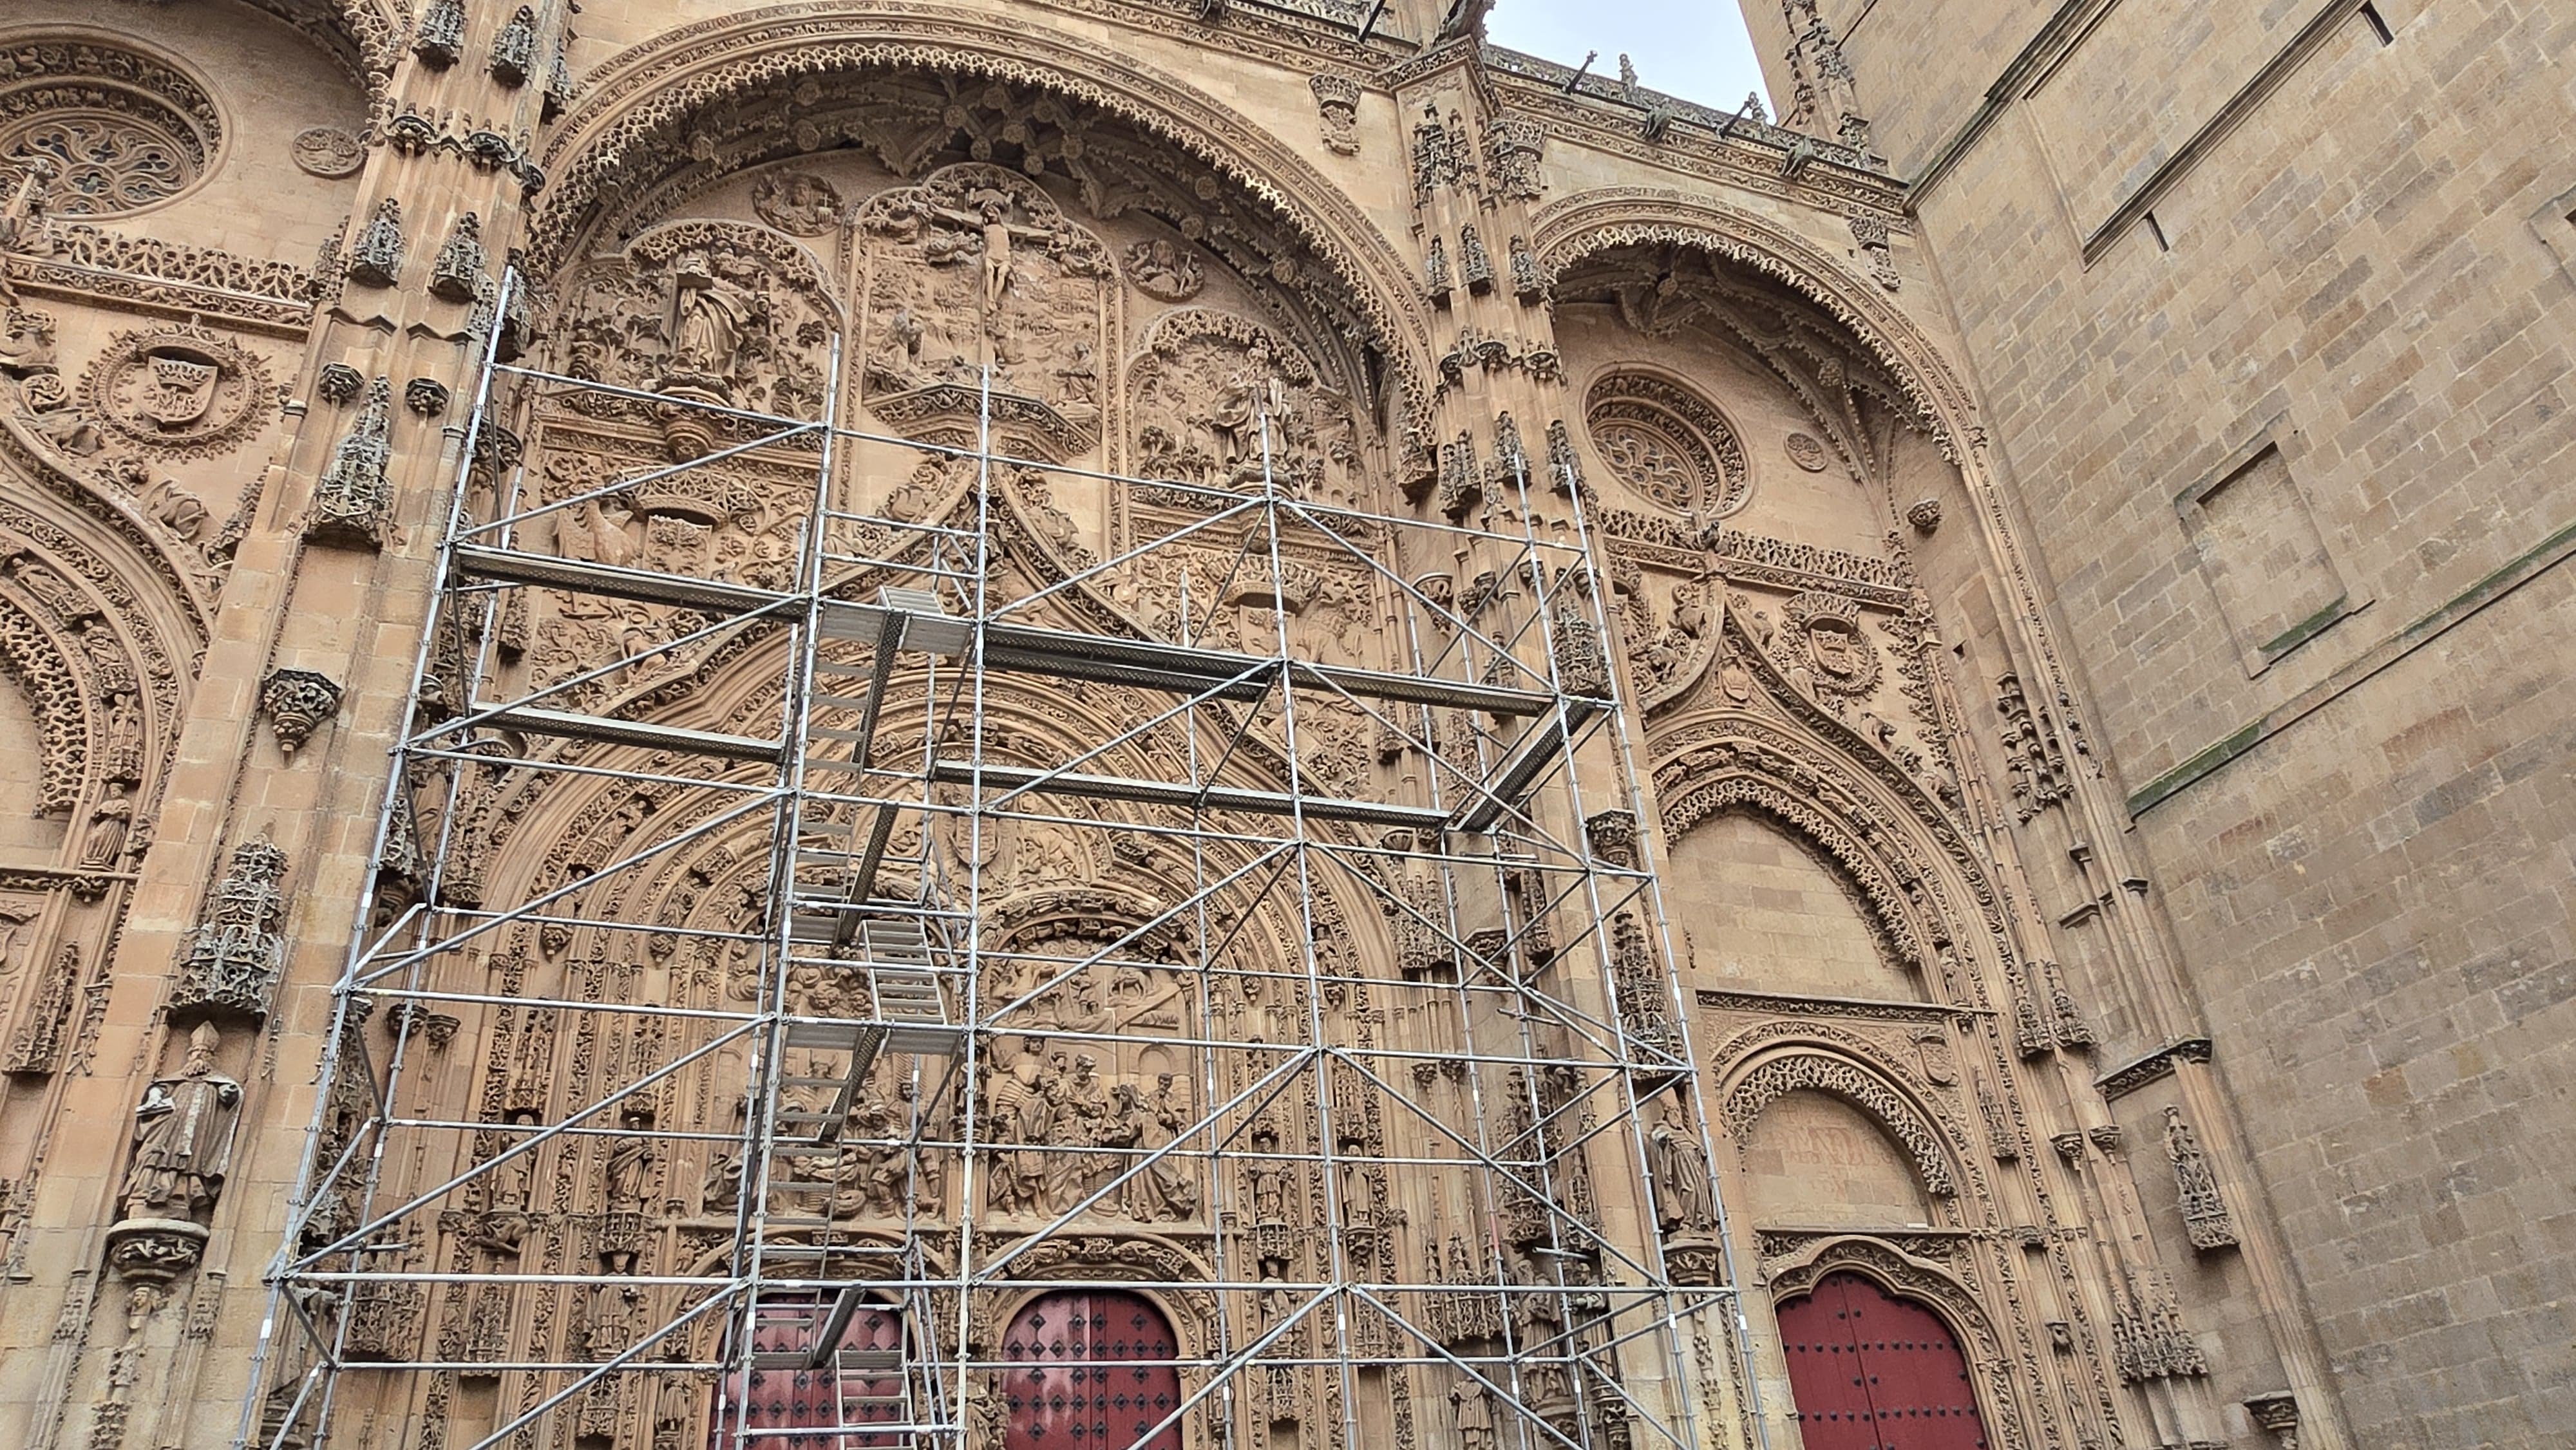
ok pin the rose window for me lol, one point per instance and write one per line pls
(110, 131)
(1667, 444)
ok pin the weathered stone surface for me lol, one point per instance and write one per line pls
(2090, 627)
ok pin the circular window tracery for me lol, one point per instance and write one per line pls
(1666, 443)
(112, 131)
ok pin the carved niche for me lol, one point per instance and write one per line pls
(1667, 444)
(717, 312)
(977, 272)
(1201, 390)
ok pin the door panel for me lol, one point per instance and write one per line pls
(1871, 1371)
(818, 1399)
(1093, 1371)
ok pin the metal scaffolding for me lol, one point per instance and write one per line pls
(1419, 1169)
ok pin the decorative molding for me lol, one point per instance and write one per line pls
(2127, 1078)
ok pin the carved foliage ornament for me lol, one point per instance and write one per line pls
(178, 390)
(298, 703)
(329, 151)
(1668, 444)
(114, 131)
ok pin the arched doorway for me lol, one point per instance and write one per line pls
(798, 1382)
(1092, 1369)
(1871, 1371)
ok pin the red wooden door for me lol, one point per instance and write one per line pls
(824, 1400)
(1874, 1372)
(1092, 1369)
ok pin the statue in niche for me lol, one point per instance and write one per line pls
(183, 1137)
(1683, 1202)
(1475, 1417)
(110, 821)
(627, 1175)
(713, 315)
(1205, 386)
(109, 672)
(1269, 1193)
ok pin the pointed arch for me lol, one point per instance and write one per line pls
(1569, 230)
(1772, 1075)
(1934, 1285)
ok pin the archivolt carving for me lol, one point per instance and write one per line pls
(1704, 794)
(187, 577)
(29, 656)
(1147, 1261)
(90, 654)
(1775, 1077)
(1828, 765)
(632, 114)
(1903, 1274)
(1596, 221)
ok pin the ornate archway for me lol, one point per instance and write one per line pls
(633, 127)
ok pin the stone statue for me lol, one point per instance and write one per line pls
(103, 844)
(22, 216)
(183, 1137)
(1683, 1203)
(1475, 1417)
(629, 1170)
(713, 319)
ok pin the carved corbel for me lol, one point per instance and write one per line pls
(2278, 1414)
(298, 702)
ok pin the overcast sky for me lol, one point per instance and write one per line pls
(1695, 49)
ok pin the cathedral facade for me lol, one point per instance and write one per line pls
(950, 723)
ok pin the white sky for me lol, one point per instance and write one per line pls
(1695, 49)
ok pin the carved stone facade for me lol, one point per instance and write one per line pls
(248, 257)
